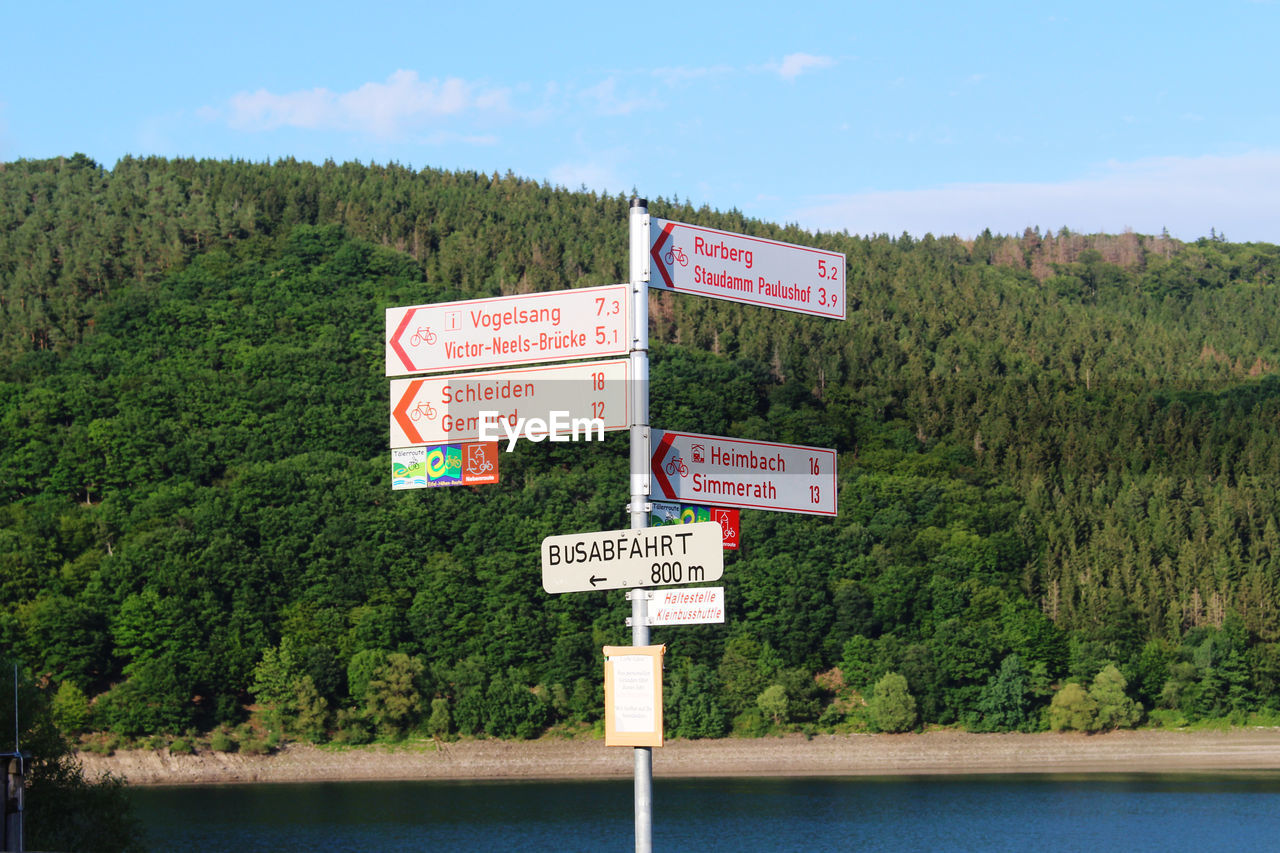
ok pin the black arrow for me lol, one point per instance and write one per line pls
(594, 580)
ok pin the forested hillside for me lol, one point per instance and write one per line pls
(1059, 458)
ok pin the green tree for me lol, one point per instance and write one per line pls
(857, 661)
(893, 709)
(772, 701)
(1006, 702)
(309, 711)
(1115, 709)
(746, 668)
(692, 704)
(70, 709)
(393, 698)
(274, 683)
(361, 670)
(1073, 708)
(439, 724)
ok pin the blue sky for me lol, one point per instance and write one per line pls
(868, 117)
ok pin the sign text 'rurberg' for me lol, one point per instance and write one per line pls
(640, 557)
(724, 265)
(527, 328)
(450, 409)
(711, 469)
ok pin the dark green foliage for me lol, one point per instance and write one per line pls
(1058, 454)
(392, 698)
(1007, 701)
(692, 706)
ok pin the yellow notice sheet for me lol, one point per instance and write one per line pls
(633, 695)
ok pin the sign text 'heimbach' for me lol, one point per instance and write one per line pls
(561, 427)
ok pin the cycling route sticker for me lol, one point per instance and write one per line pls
(666, 512)
(469, 464)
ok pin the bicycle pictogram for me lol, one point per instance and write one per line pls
(677, 464)
(423, 409)
(676, 255)
(424, 334)
(477, 462)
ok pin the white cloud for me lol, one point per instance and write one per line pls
(448, 138)
(1189, 195)
(383, 110)
(598, 172)
(680, 75)
(604, 95)
(795, 64)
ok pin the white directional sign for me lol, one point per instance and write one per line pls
(557, 402)
(623, 559)
(506, 330)
(711, 469)
(692, 259)
(702, 605)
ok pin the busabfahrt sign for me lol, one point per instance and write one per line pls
(641, 557)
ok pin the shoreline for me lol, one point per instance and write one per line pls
(931, 753)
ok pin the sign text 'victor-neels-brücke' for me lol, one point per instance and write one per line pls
(526, 328)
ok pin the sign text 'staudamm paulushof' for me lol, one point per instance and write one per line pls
(724, 265)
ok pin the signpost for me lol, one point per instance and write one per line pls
(534, 402)
(721, 471)
(638, 557)
(555, 401)
(724, 265)
(523, 329)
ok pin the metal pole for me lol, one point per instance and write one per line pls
(639, 356)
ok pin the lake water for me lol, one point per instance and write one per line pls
(979, 813)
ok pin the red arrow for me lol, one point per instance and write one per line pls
(401, 412)
(395, 340)
(655, 464)
(656, 253)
